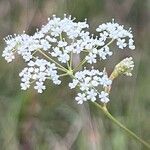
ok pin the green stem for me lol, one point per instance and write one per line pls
(62, 75)
(106, 112)
(63, 68)
(68, 66)
(71, 60)
(109, 42)
(79, 65)
(61, 38)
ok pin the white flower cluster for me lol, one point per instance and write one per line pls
(16, 44)
(90, 82)
(51, 49)
(38, 71)
(117, 32)
(60, 37)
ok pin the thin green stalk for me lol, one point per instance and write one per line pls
(114, 120)
(63, 68)
(68, 66)
(61, 38)
(109, 42)
(62, 75)
(71, 60)
(34, 52)
(80, 64)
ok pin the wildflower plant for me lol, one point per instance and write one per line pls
(49, 55)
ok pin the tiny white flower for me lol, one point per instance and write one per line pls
(39, 87)
(84, 86)
(9, 56)
(107, 51)
(53, 40)
(63, 58)
(104, 35)
(104, 52)
(94, 50)
(56, 52)
(25, 85)
(99, 42)
(73, 84)
(105, 81)
(91, 58)
(121, 43)
(45, 44)
(104, 97)
(91, 95)
(31, 69)
(62, 44)
(94, 83)
(41, 76)
(131, 45)
(31, 63)
(81, 98)
(80, 75)
(89, 46)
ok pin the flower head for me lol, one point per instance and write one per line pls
(38, 71)
(89, 81)
(49, 52)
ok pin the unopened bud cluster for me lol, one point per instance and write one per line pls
(124, 67)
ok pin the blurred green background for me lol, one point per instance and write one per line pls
(53, 120)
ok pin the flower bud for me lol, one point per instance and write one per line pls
(124, 67)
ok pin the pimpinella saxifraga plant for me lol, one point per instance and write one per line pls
(49, 55)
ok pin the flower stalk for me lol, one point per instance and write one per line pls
(119, 124)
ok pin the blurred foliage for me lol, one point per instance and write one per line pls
(53, 120)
